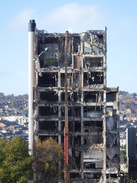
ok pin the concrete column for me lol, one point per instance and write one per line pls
(82, 112)
(59, 115)
(31, 42)
(104, 139)
(105, 73)
(82, 137)
(37, 109)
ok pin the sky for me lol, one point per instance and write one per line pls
(120, 18)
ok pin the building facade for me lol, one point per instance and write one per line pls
(92, 107)
(131, 151)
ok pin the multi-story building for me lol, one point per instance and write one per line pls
(92, 107)
(131, 151)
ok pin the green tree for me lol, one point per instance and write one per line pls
(48, 154)
(123, 150)
(15, 162)
(13, 105)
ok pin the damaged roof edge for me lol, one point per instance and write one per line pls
(112, 89)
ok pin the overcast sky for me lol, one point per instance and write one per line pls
(120, 17)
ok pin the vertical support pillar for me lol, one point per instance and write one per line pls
(59, 128)
(104, 139)
(66, 131)
(82, 137)
(59, 107)
(104, 110)
(104, 124)
(36, 97)
(82, 111)
(59, 116)
(31, 42)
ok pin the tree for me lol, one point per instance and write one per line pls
(48, 154)
(129, 104)
(15, 162)
(13, 105)
(123, 93)
(134, 94)
(123, 150)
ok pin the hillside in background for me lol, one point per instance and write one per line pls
(12, 97)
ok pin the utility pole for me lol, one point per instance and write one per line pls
(66, 130)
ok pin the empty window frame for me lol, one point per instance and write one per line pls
(48, 80)
(93, 97)
(48, 96)
(111, 97)
(93, 62)
(72, 111)
(48, 125)
(93, 78)
(48, 111)
(69, 78)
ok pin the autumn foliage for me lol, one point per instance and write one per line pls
(47, 155)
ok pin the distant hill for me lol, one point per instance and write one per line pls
(12, 97)
(127, 93)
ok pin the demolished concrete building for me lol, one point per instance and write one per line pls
(92, 106)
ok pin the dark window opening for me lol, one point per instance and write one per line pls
(93, 62)
(76, 44)
(72, 111)
(48, 96)
(85, 141)
(69, 76)
(72, 97)
(93, 139)
(48, 58)
(93, 111)
(92, 176)
(78, 126)
(92, 129)
(93, 78)
(111, 97)
(48, 40)
(48, 111)
(48, 125)
(77, 140)
(70, 125)
(77, 96)
(100, 39)
(48, 80)
(74, 175)
(89, 165)
(93, 97)
(75, 161)
(73, 126)
(62, 126)
(63, 97)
